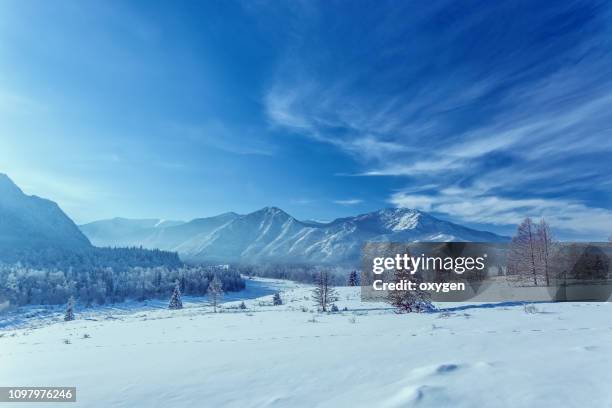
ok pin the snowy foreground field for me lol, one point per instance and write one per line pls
(476, 355)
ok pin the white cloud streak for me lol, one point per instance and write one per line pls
(352, 201)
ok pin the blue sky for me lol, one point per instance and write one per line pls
(479, 112)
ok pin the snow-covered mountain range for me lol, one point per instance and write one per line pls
(33, 223)
(268, 235)
(272, 235)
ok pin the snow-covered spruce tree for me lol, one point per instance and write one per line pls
(276, 299)
(215, 292)
(353, 279)
(324, 294)
(176, 301)
(409, 301)
(242, 305)
(69, 315)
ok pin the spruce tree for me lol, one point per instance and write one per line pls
(353, 279)
(408, 301)
(69, 316)
(176, 302)
(215, 292)
(276, 299)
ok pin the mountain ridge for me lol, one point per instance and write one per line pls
(268, 235)
(31, 222)
(272, 235)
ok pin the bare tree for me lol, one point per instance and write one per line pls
(522, 256)
(215, 292)
(531, 252)
(324, 294)
(544, 245)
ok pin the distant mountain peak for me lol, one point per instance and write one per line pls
(271, 211)
(391, 212)
(8, 186)
(400, 219)
(28, 222)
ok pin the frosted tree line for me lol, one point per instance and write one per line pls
(337, 275)
(89, 258)
(25, 285)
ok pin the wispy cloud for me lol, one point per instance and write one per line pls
(498, 128)
(217, 135)
(302, 201)
(352, 201)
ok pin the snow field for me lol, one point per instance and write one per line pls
(466, 355)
